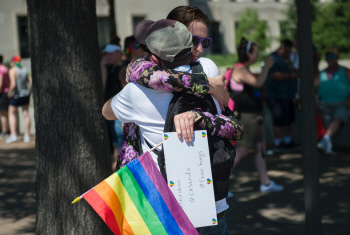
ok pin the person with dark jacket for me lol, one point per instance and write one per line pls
(280, 89)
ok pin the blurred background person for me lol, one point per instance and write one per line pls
(132, 49)
(111, 63)
(280, 89)
(19, 93)
(294, 58)
(245, 92)
(334, 99)
(4, 100)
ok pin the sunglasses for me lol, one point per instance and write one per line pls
(205, 41)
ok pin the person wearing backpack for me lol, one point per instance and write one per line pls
(148, 107)
(181, 82)
(248, 105)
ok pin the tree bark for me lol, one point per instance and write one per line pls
(308, 120)
(71, 134)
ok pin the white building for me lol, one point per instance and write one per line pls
(14, 39)
(223, 14)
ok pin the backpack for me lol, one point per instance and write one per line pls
(221, 151)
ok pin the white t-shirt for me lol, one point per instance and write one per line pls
(148, 109)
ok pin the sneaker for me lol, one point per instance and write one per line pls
(2, 135)
(11, 139)
(26, 138)
(325, 146)
(230, 195)
(272, 187)
(329, 146)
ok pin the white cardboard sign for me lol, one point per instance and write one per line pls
(189, 176)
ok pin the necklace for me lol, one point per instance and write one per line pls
(331, 75)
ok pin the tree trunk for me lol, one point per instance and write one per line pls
(71, 134)
(112, 24)
(308, 120)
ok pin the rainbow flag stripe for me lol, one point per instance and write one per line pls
(137, 200)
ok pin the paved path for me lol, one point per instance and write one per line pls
(17, 188)
(250, 212)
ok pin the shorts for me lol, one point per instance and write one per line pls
(330, 111)
(282, 111)
(116, 131)
(250, 137)
(20, 101)
(4, 102)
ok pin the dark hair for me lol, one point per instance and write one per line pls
(115, 40)
(128, 41)
(1, 59)
(181, 58)
(242, 50)
(145, 48)
(287, 43)
(187, 15)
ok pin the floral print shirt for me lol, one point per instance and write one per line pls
(151, 75)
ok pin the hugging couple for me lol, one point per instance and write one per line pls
(173, 65)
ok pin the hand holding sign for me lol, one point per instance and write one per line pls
(189, 176)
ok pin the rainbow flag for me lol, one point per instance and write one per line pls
(137, 200)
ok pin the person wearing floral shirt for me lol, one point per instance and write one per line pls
(151, 75)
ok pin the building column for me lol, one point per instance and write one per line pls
(274, 33)
(228, 32)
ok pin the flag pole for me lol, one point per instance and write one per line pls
(81, 196)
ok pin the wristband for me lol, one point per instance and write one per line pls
(195, 113)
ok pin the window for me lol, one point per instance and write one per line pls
(136, 20)
(23, 35)
(216, 45)
(103, 28)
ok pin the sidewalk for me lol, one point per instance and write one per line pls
(17, 188)
(250, 212)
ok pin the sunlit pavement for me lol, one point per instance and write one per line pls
(250, 212)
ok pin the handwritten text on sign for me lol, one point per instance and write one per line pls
(189, 176)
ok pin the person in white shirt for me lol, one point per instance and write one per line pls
(171, 45)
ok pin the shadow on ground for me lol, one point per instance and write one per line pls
(252, 212)
(17, 188)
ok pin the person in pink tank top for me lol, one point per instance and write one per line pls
(248, 105)
(4, 101)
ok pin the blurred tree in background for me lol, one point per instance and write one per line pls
(288, 27)
(252, 28)
(330, 24)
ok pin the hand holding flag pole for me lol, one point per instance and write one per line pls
(117, 201)
(81, 196)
